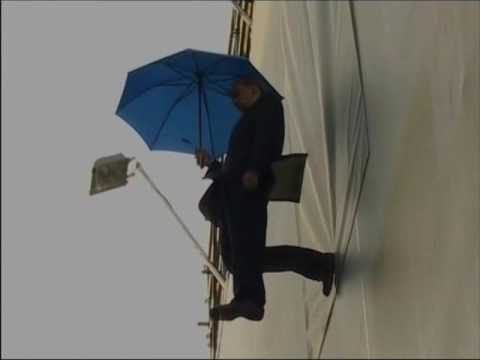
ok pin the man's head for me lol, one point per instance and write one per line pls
(245, 92)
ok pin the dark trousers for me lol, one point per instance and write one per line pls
(243, 239)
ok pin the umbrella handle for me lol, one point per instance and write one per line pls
(204, 255)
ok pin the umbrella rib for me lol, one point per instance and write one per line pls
(214, 64)
(227, 78)
(195, 61)
(209, 123)
(219, 89)
(153, 87)
(180, 98)
(178, 71)
(173, 83)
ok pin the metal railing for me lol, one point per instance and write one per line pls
(241, 28)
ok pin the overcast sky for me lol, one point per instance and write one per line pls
(112, 275)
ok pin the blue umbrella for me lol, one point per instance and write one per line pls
(183, 101)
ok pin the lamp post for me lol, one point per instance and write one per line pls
(110, 172)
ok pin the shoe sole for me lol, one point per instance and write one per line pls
(229, 315)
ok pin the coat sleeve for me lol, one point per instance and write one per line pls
(267, 128)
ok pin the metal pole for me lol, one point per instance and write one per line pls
(212, 267)
(200, 109)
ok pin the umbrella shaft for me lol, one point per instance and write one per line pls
(200, 110)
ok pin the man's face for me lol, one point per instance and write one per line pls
(243, 96)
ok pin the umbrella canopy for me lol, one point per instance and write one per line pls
(183, 101)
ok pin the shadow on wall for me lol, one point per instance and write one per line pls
(351, 271)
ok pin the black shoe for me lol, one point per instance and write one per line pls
(323, 270)
(229, 312)
(328, 276)
(327, 283)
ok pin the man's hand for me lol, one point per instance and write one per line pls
(250, 180)
(203, 158)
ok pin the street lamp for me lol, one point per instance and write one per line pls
(110, 172)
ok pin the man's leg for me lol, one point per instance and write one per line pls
(309, 263)
(245, 227)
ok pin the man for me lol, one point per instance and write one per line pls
(246, 178)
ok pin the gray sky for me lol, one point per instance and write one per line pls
(112, 275)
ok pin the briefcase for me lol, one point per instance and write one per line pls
(210, 204)
(288, 177)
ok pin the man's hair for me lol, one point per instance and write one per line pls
(251, 81)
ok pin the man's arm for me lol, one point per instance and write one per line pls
(203, 158)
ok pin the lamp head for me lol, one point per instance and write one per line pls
(108, 173)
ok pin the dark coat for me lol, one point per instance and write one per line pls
(257, 139)
(255, 143)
